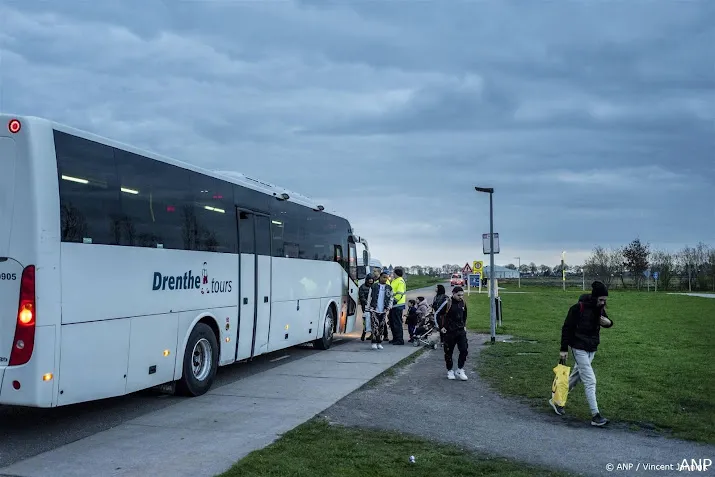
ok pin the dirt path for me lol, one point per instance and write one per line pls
(418, 399)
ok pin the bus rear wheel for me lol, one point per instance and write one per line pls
(200, 362)
(325, 341)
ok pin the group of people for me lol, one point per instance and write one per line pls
(384, 302)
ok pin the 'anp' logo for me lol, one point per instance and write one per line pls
(191, 281)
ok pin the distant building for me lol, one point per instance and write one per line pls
(501, 272)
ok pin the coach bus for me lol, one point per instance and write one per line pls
(122, 270)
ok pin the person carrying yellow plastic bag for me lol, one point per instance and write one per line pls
(581, 333)
(560, 386)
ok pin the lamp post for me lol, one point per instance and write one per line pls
(519, 270)
(492, 310)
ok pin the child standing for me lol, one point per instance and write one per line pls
(412, 319)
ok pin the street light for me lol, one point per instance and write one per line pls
(492, 310)
(519, 269)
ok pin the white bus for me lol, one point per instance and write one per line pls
(121, 270)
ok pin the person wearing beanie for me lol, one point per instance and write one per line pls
(454, 327)
(581, 332)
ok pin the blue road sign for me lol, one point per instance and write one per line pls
(474, 280)
(655, 275)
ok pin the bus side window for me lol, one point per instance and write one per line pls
(153, 202)
(89, 192)
(214, 215)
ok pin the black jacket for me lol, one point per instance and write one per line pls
(363, 292)
(374, 293)
(456, 318)
(581, 329)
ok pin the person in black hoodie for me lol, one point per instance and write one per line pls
(439, 305)
(454, 327)
(581, 332)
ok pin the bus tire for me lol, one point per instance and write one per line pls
(326, 340)
(200, 362)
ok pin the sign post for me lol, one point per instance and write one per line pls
(475, 280)
(466, 270)
(486, 246)
(655, 279)
(492, 250)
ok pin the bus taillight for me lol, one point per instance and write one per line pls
(14, 126)
(24, 341)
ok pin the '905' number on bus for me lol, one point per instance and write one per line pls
(8, 276)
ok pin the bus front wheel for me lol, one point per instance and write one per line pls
(200, 362)
(326, 340)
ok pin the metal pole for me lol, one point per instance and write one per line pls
(519, 270)
(492, 296)
(583, 278)
(563, 268)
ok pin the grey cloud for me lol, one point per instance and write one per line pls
(594, 123)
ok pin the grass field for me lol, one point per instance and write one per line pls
(654, 367)
(317, 448)
(414, 282)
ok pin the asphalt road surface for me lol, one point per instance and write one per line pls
(26, 432)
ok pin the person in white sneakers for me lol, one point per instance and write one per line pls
(454, 328)
(379, 301)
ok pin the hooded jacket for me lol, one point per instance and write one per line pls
(456, 318)
(374, 294)
(363, 292)
(582, 326)
(422, 309)
(438, 300)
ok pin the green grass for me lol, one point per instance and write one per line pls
(317, 448)
(414, 282)
(654, 367)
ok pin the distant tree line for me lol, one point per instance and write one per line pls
(629, 266)
(691, 268)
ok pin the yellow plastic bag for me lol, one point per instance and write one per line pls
(560, 386)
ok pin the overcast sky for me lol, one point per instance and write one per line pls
(595, 124)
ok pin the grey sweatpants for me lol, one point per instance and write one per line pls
(583, 372)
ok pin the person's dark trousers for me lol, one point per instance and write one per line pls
(411, 330)
(452, 339)
(396, 325)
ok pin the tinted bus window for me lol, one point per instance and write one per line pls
(89, 195)
(214, 214)
(153, 200)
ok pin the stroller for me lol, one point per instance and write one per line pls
(424, 331)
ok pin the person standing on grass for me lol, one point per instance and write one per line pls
(379, 300)
(581, 332)
(399, 288)
(454, 327)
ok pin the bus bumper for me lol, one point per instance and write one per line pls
(37, 379)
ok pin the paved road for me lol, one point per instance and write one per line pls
(700, 295)
(420, 400)
(181, 440)
(26, 432)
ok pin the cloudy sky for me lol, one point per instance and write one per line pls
(594, 123)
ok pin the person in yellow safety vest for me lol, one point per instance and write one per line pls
(399, 289)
